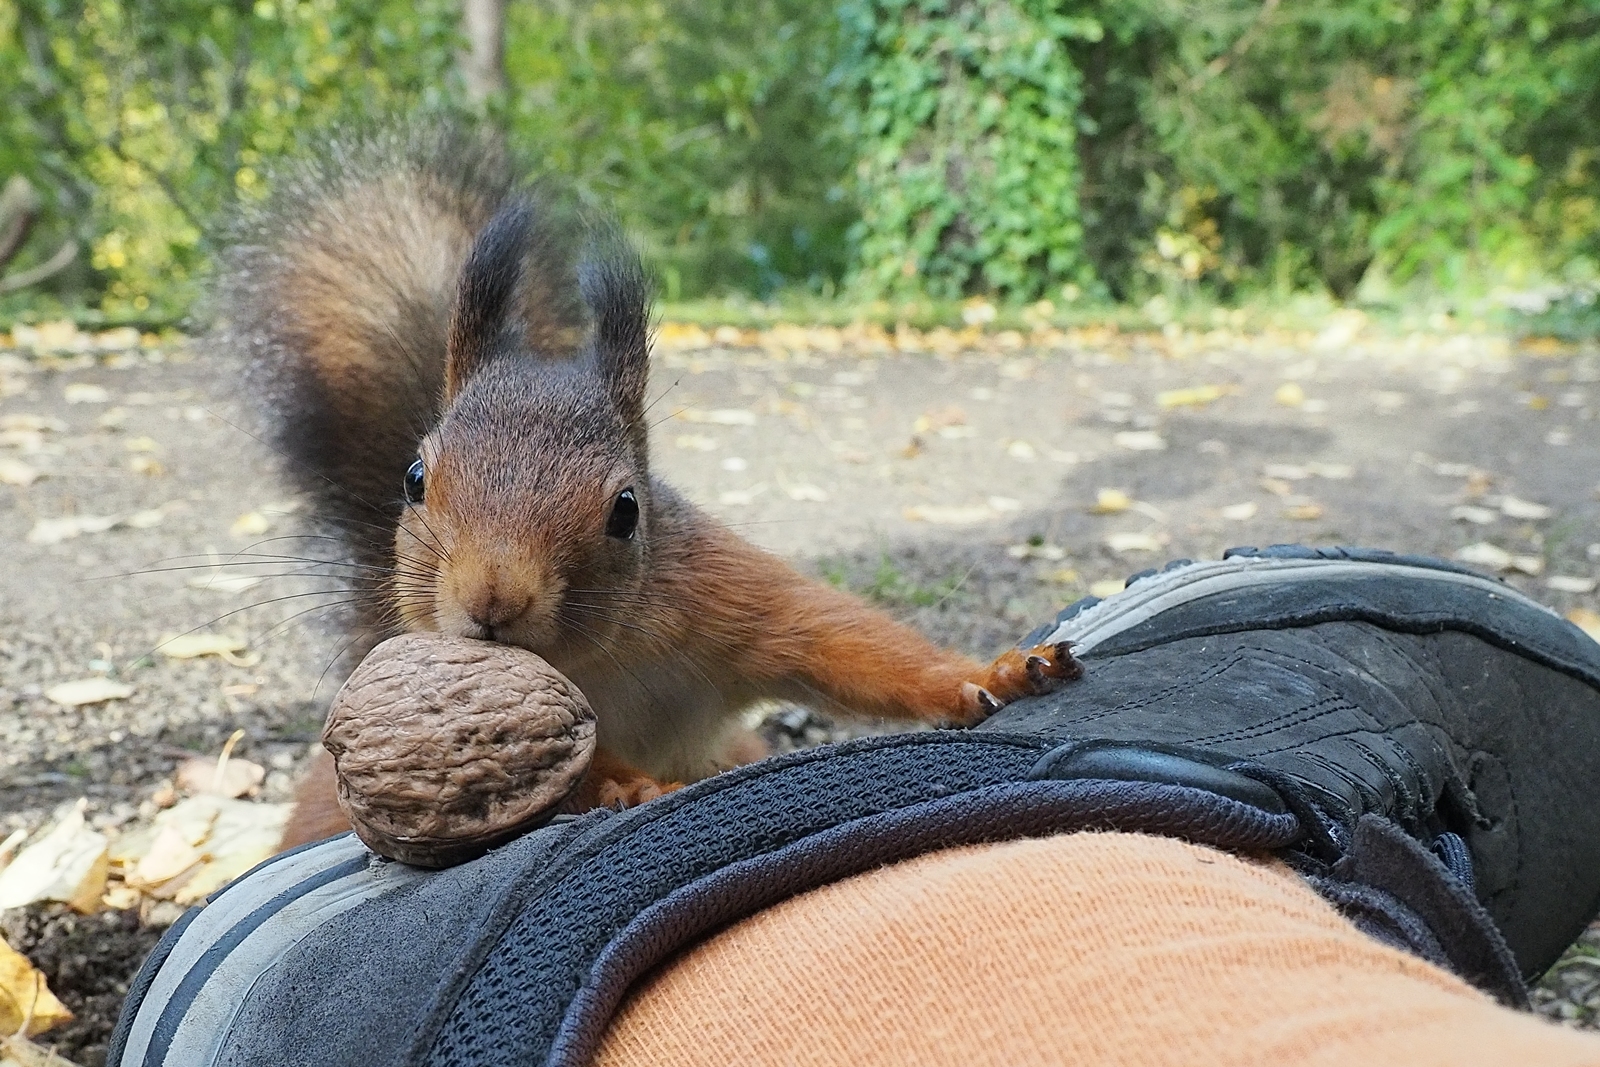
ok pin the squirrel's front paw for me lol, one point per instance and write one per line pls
(1019, 673)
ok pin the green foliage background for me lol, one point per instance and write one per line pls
(1379, 150)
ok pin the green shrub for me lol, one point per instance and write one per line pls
(964, 115)
(1450, 144)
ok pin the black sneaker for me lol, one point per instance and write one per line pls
(1361, 683)
(1421, 742)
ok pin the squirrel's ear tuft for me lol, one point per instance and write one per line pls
(486, 298)
(617, 292)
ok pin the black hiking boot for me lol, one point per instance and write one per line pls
(1374, 693)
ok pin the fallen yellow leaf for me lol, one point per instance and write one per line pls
(1585, 620)
(250, 524)
(1110, 502)
(1290, 395)
(26, 1004)
(1195, 396)
(1303, 512)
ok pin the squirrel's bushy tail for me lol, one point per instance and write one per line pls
(337, 293)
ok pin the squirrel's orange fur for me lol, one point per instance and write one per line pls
(418, 326)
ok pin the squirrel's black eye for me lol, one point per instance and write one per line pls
(413, 483)
(624, 516)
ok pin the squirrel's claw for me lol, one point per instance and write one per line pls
(1017, 674)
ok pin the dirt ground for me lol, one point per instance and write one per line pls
(957, 489)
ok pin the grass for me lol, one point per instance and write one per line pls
(1568, 319)
(886, 584)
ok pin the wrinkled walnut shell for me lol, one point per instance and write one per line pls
(445, 747)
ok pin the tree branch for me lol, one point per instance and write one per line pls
(19, 210)
(34, 275)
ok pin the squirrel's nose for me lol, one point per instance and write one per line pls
(492, 604)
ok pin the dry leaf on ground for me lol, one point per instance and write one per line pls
(740, 497)
(1585, 620)
(198, 845)
(1277, 486)
(1290, 395)
(1513, 508)
(1567, 583)
(223, 776)
(16, 472)
(718, 417)
(950, 514)
(1195, 396)
(1239, 512)
(1139, 440)
(54, 531)
(1484, 554)
(1134, 542)
(1110, 502)
(1303, 512)
(84, 393)
(223, 581)
(193, 646)
(943, 419)
(25, 998)
(87, 691)
(1474, 514)
(69, 864)
(1107, 587)
(1053, 553)
(250, 524)
(18, 1051)
(34, 423)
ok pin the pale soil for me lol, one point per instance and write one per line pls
(820, 465)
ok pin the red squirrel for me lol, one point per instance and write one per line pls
(457, 373)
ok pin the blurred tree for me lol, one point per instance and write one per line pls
(144, 118)
(483, 67)
(1012, 147)
(704, 123)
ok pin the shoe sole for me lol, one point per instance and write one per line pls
(1288, 586)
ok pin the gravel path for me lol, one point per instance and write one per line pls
(955, 488)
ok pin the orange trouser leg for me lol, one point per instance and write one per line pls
(1080, 949)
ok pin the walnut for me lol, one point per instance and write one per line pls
(445, 747)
